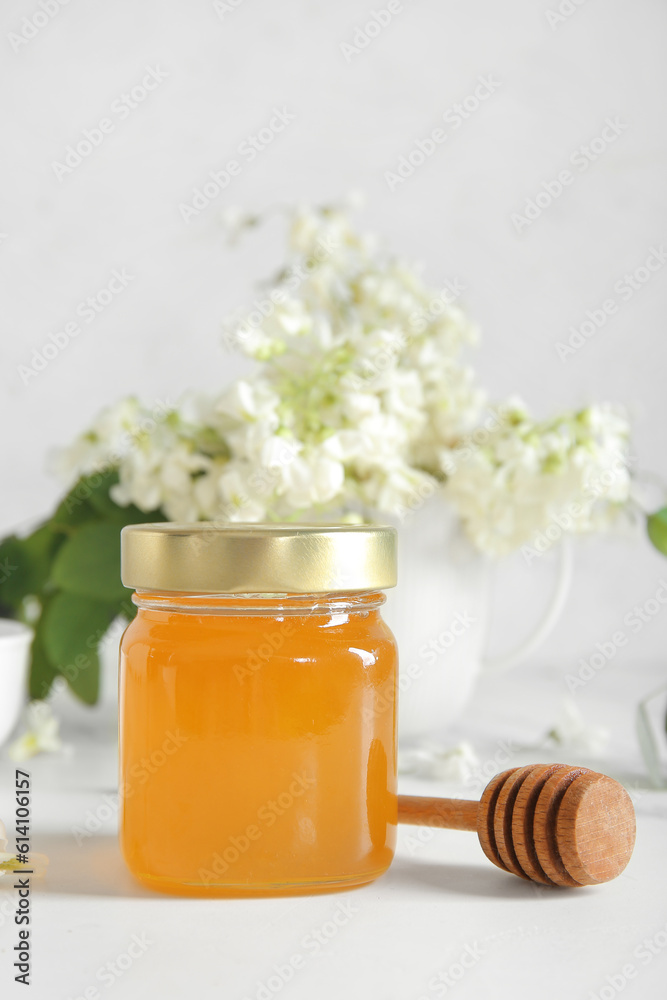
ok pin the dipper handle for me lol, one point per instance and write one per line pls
(421, 810)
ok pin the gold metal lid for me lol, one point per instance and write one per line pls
(210, 558)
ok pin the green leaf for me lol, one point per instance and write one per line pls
(72, 564)
(25, 565)
(73, 628)
(42, 671)
(72, 512)
(85, 682)
(656, 525)
(132, 515)
(98, 485)
(88, 564)
(89, 500)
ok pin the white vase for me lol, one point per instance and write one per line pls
(439, 613)
(15, 640)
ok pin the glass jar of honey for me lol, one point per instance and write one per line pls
(257, 708)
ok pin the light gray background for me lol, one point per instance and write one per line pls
(120, 209)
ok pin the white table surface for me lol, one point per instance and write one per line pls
(440, 900)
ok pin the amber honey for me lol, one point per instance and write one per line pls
(258, 730)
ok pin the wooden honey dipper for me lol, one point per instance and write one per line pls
(548, 823)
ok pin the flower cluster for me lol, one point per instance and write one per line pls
(519, 480)
(360, 407)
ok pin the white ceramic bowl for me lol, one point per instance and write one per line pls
(15, 640)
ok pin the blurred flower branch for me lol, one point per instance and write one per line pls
(360, 407)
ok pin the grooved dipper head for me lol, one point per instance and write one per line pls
(557, 825)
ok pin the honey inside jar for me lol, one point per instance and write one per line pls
(258, 737)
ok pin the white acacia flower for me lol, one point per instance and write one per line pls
(41, 734)
(403, 489)
(312, 480)
(305, 229)
(103, 444)
(9, 863)
(161, 476)
(526, 477)
(456, 765)
(572, 733)
(247, 400)
(357, 405)
(207, 493)
(241, 491)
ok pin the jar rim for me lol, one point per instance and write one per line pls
(238, 558)
(262, 605)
